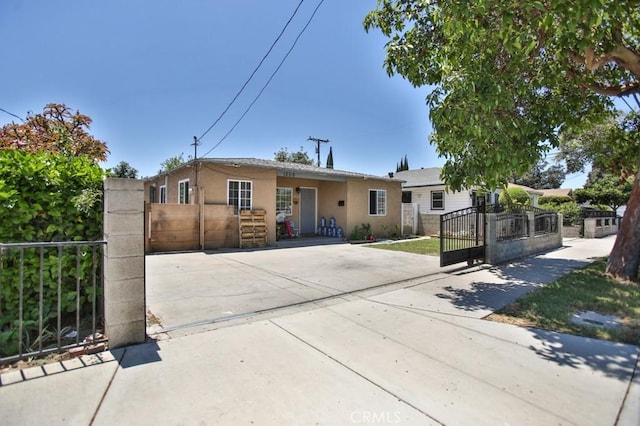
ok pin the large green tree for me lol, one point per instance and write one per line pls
(506, 77)
(608, 190)
(172, 163)
(124, 170)
(542, 176)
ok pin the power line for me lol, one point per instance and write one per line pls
(253, 73)
(268, 81)
(318, 142)
(12, 114)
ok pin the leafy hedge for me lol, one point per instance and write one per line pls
(571, 212)
(45, 197)
(514, 195)
(555, 199)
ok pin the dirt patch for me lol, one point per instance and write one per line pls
(35, 362)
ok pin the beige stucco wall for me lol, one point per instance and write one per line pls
(293, 183)
(329, 194)
(172, 185)
(211, 181)
(358, 205)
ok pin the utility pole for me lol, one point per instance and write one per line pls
(195, 147)
(318, 142)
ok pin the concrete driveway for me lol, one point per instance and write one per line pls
(187, 289)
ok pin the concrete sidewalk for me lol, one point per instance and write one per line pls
(417, 353)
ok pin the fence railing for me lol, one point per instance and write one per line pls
(585, 213)
(513, 221)
(546, 223)
(50, 297)
(511, 225)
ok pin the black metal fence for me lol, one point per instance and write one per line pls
(512, 225)
(546, 223)
(513, 221)
(462, 235)
(50, 297)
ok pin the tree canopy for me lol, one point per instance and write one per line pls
(610, 145)
(403, 165)
(330, 159)
(608, 190)
(507, 78)
(300, 156)
(542, 176)
(56, 130)
(172, 163)
(124, 170)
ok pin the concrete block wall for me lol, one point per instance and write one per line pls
(429, 224)
(497, 252)
(600, 227)
(124, 286)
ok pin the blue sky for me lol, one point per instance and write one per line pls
(153, 74)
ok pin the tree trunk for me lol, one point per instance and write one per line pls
(624, 259)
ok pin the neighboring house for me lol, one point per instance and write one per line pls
(213, 190)
(567, 192)
(427, 192)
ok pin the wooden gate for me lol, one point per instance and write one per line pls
(462, 236)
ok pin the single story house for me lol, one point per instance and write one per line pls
(564, 192)
(427, 192)
(197, 205)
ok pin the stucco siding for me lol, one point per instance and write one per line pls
(358, 206)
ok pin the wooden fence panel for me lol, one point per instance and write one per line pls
(173, 227)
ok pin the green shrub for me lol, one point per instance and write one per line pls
(555, 199)
(45, 197)
(571, 213)
(363, 232)
(514, 195)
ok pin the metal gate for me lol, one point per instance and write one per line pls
(462, 235)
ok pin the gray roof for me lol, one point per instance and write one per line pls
(420, 177)
(300, 170)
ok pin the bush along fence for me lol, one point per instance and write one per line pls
(518, 231)
(51, 298)
(65, 295)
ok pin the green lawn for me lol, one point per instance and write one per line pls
(429, 246)
(588, 289)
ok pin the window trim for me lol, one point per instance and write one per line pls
(289, 209)
(186, 199)
(240, 182)
(379, 211)
(441, 193)
(163, 194)
(153, 194)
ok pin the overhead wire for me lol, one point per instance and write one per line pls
(12, 114)
(269, 80)
(252, 73)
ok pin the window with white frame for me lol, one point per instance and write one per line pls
(437, 200)
(377, 202)
(284, 200)
(239, 194)
(183, 191)
(163, 194)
